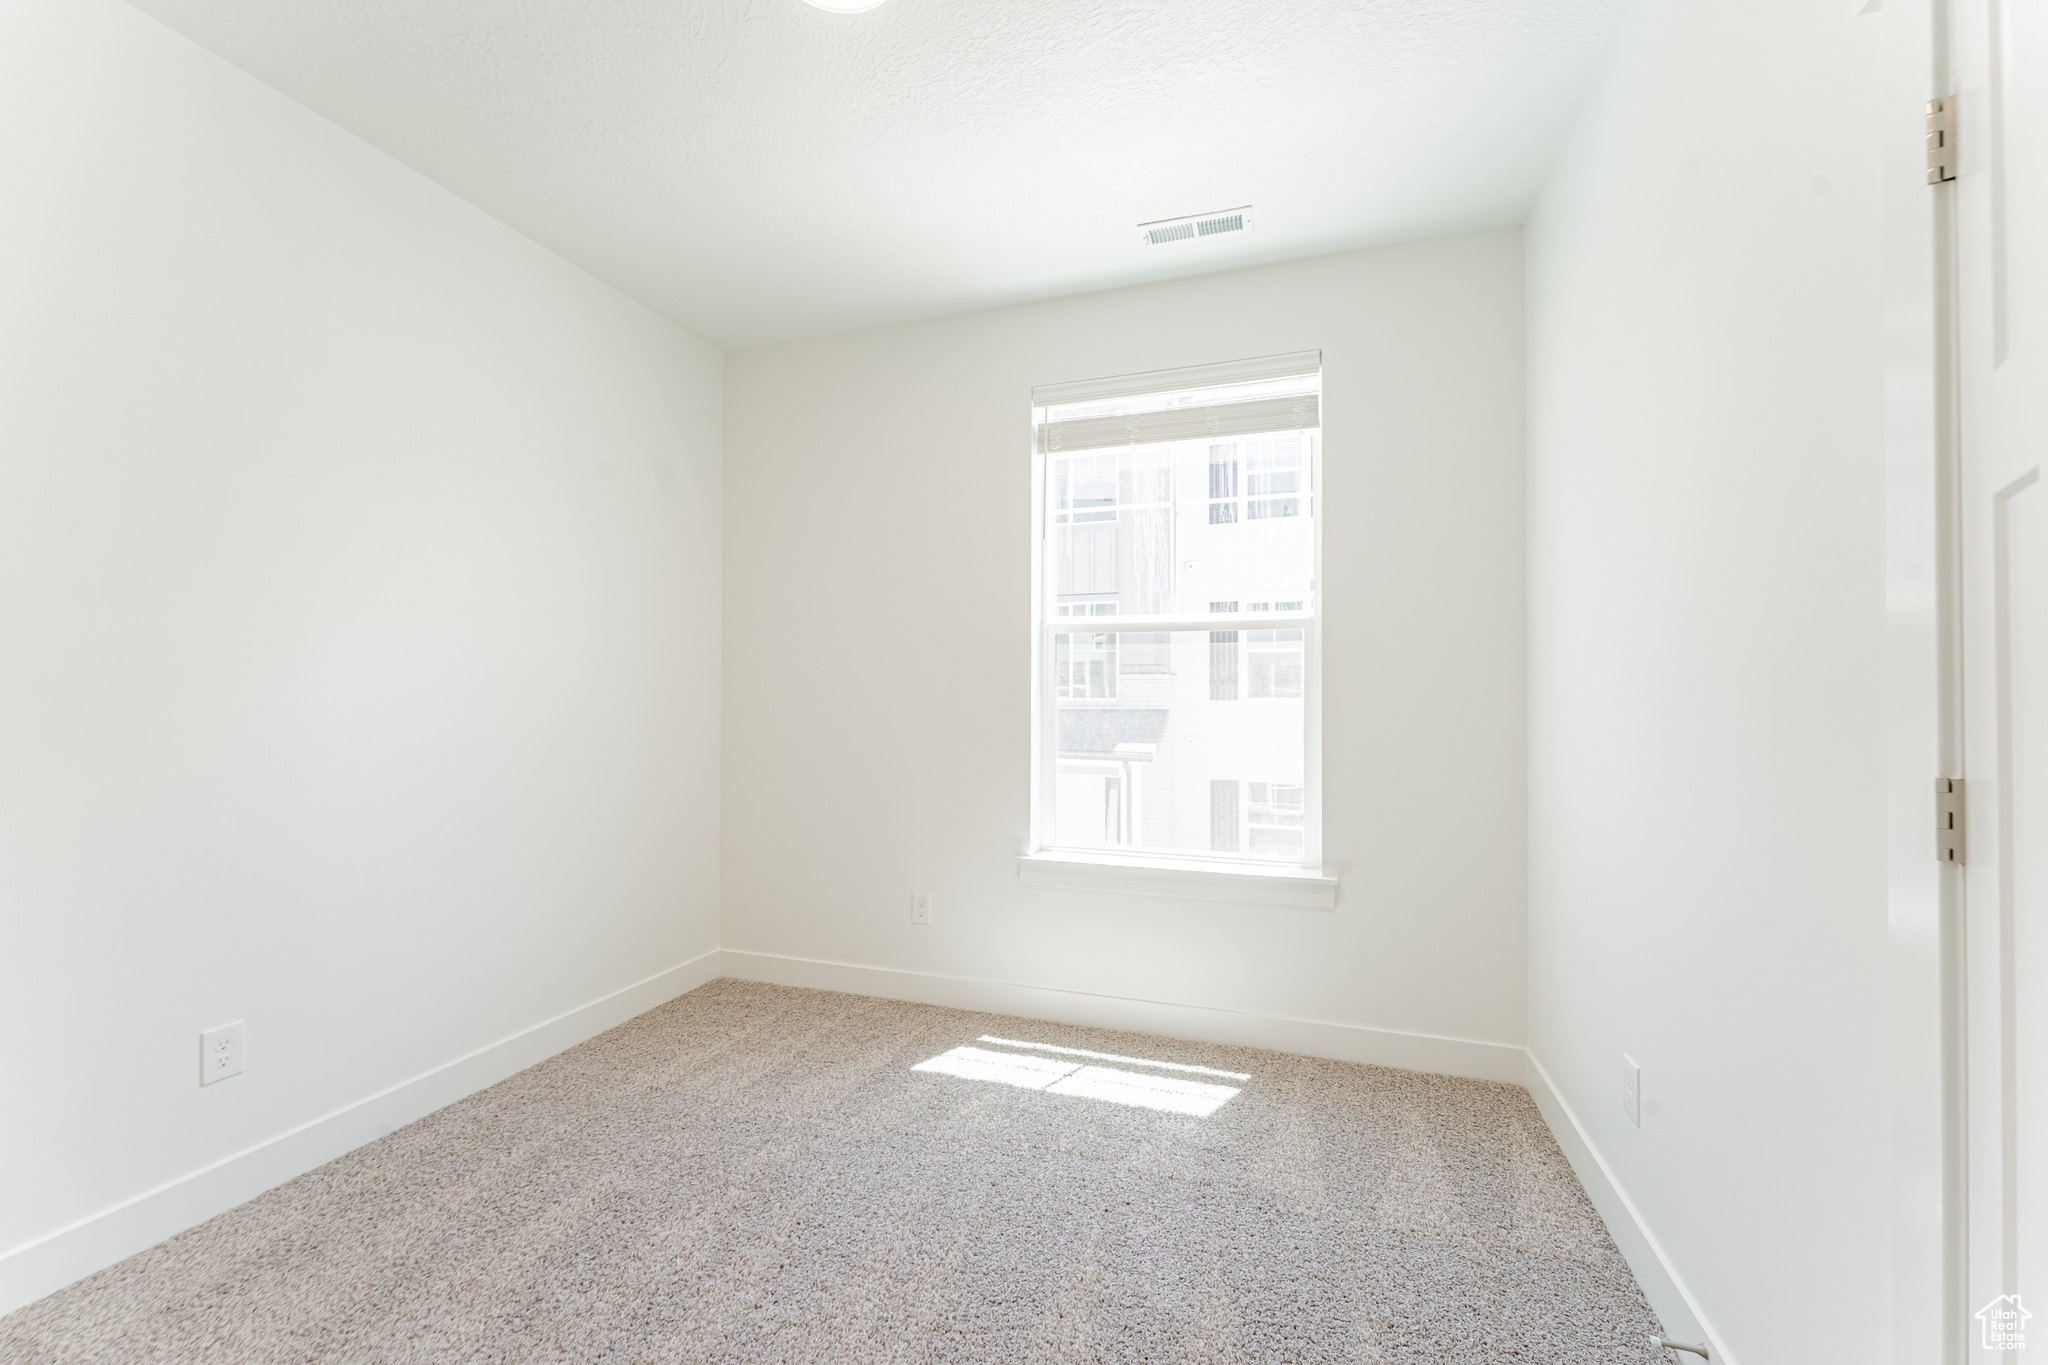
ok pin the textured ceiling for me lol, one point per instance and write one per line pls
(760, 169)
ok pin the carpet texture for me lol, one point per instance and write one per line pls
(761, 1174)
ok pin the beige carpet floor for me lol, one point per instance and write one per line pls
(755, 1173)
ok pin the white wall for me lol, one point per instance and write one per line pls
(868, 755)
(1707, 664)
(359, 631)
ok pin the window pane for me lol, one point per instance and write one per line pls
(1084, 667)
(1248, 534)
(1273, 663)
(1085, 487)
(1222, 665)
(1156, 761)
(1276, 843)
(1273, 465)
(1172, 528)
(1224, 834)
(1223, 471)
(1112, 523)
(1273, 819)
(1146, 653)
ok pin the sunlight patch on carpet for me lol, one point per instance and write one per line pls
(1168, 1094)
(1113, 1057)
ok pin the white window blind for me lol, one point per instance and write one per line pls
(1219, 422)
(1226, 374)
(1211, 402)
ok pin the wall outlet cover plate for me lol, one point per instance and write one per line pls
(220, 1053)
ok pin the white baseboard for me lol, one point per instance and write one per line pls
(1198, 1023)
(1661, 1283)
(34, 1269)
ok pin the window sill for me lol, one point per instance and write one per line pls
(1234, 883)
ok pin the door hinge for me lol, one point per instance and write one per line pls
(1951, 817)
(1941, 140)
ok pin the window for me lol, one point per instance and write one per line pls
(1272, 479)
(1176, 722)
(1273, 663)
(1222, 484)
(1085, 487)
(1263, 818)
(1084, 666)
(1225, 836)
(1222, 665)
(1273, 816)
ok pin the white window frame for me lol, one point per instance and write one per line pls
(1188, 875)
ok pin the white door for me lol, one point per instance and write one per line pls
(2002, 263)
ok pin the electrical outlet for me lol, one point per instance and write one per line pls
(220, 1053)
(1631, 1090)
(920, 907)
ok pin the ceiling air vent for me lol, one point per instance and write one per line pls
(1195, 226)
